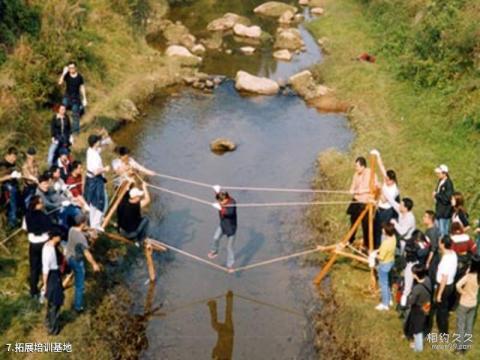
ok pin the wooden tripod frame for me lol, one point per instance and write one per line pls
(337, 250)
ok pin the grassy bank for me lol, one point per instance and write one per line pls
(107, 39)
(415, 125)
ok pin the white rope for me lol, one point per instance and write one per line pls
(249, 205)
(194, 257)
(247, 188)
(185, 196)
(281, 258)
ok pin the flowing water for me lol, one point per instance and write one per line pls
(267, 310)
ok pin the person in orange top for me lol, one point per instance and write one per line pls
(360, 190)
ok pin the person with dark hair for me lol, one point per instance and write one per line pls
(389, 195)
(76, 251)
(464, 246)
(60, 130)
(64, 163)
(131, 223)
(52, 281)
(75, 97)
(124, 165)
(447, 269)
(432, 234)
(419, 303)
(227, 211)
(360, 190)
(30, 174)
(442, 196)
(10, 188)
(95, 194)
(62, 194)
(386, 257)
(74, 183)
(406, 224)
(459, 213)
(467, 287)
(38, 225)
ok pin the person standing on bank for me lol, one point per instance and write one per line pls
(10, 187)
(447, 269)
(386, 258)
(227, 211)
(75, 97)
(459, 213)
(433, 235)
(95, 194)
(61, 132)
(442, 196)
(52, 280)
(38, 226)
(76, 251)
(360, 189)
(389, 196)
(131, 223)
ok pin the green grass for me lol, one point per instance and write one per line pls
(414, 129)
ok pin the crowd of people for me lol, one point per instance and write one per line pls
(432, 268)
(61, 203)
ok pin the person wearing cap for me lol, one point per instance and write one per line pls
(60, 130)
(125, 165)
(442, 196)
(95, 194)
(76, 251)
(10, 188)
(38, 225)
(227, 211)
(75, 97)
(64, 163)
(30, 174)
(52, 280)
(131, 223)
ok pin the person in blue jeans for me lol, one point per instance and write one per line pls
(228, 226)
(76, 251)
(75, 97)
(386, 256)
(442, 196)
(10, 191)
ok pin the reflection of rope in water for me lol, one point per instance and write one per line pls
(246, 188)
(161, 312)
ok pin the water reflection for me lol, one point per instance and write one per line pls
(223, 350)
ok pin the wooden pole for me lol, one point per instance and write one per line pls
(150, 266)
(352, 256)
(371, 215)
(122, 190)
(155, 245)
(318, 279)
(118, 237)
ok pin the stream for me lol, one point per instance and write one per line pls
(267, 312)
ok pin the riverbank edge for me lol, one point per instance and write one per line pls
(109, 310)
(348, 327)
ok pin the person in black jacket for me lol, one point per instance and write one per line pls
(442, 195)
(61, 131)
(38, 225)
(228, 226)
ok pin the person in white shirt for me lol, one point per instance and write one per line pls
(405, 225)
(124, 166)
(95, 194)
(447, 269)
(52, 281)
(389, 197)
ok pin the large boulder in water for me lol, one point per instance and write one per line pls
(253, 32)
(227, 22)
(284, 55)
(289, 39)
(258, 85)
(273, 9)
(127, 110)
(222, 145)
(304, 84)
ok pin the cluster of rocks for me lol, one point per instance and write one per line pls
(316, 6)
(202, 81)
